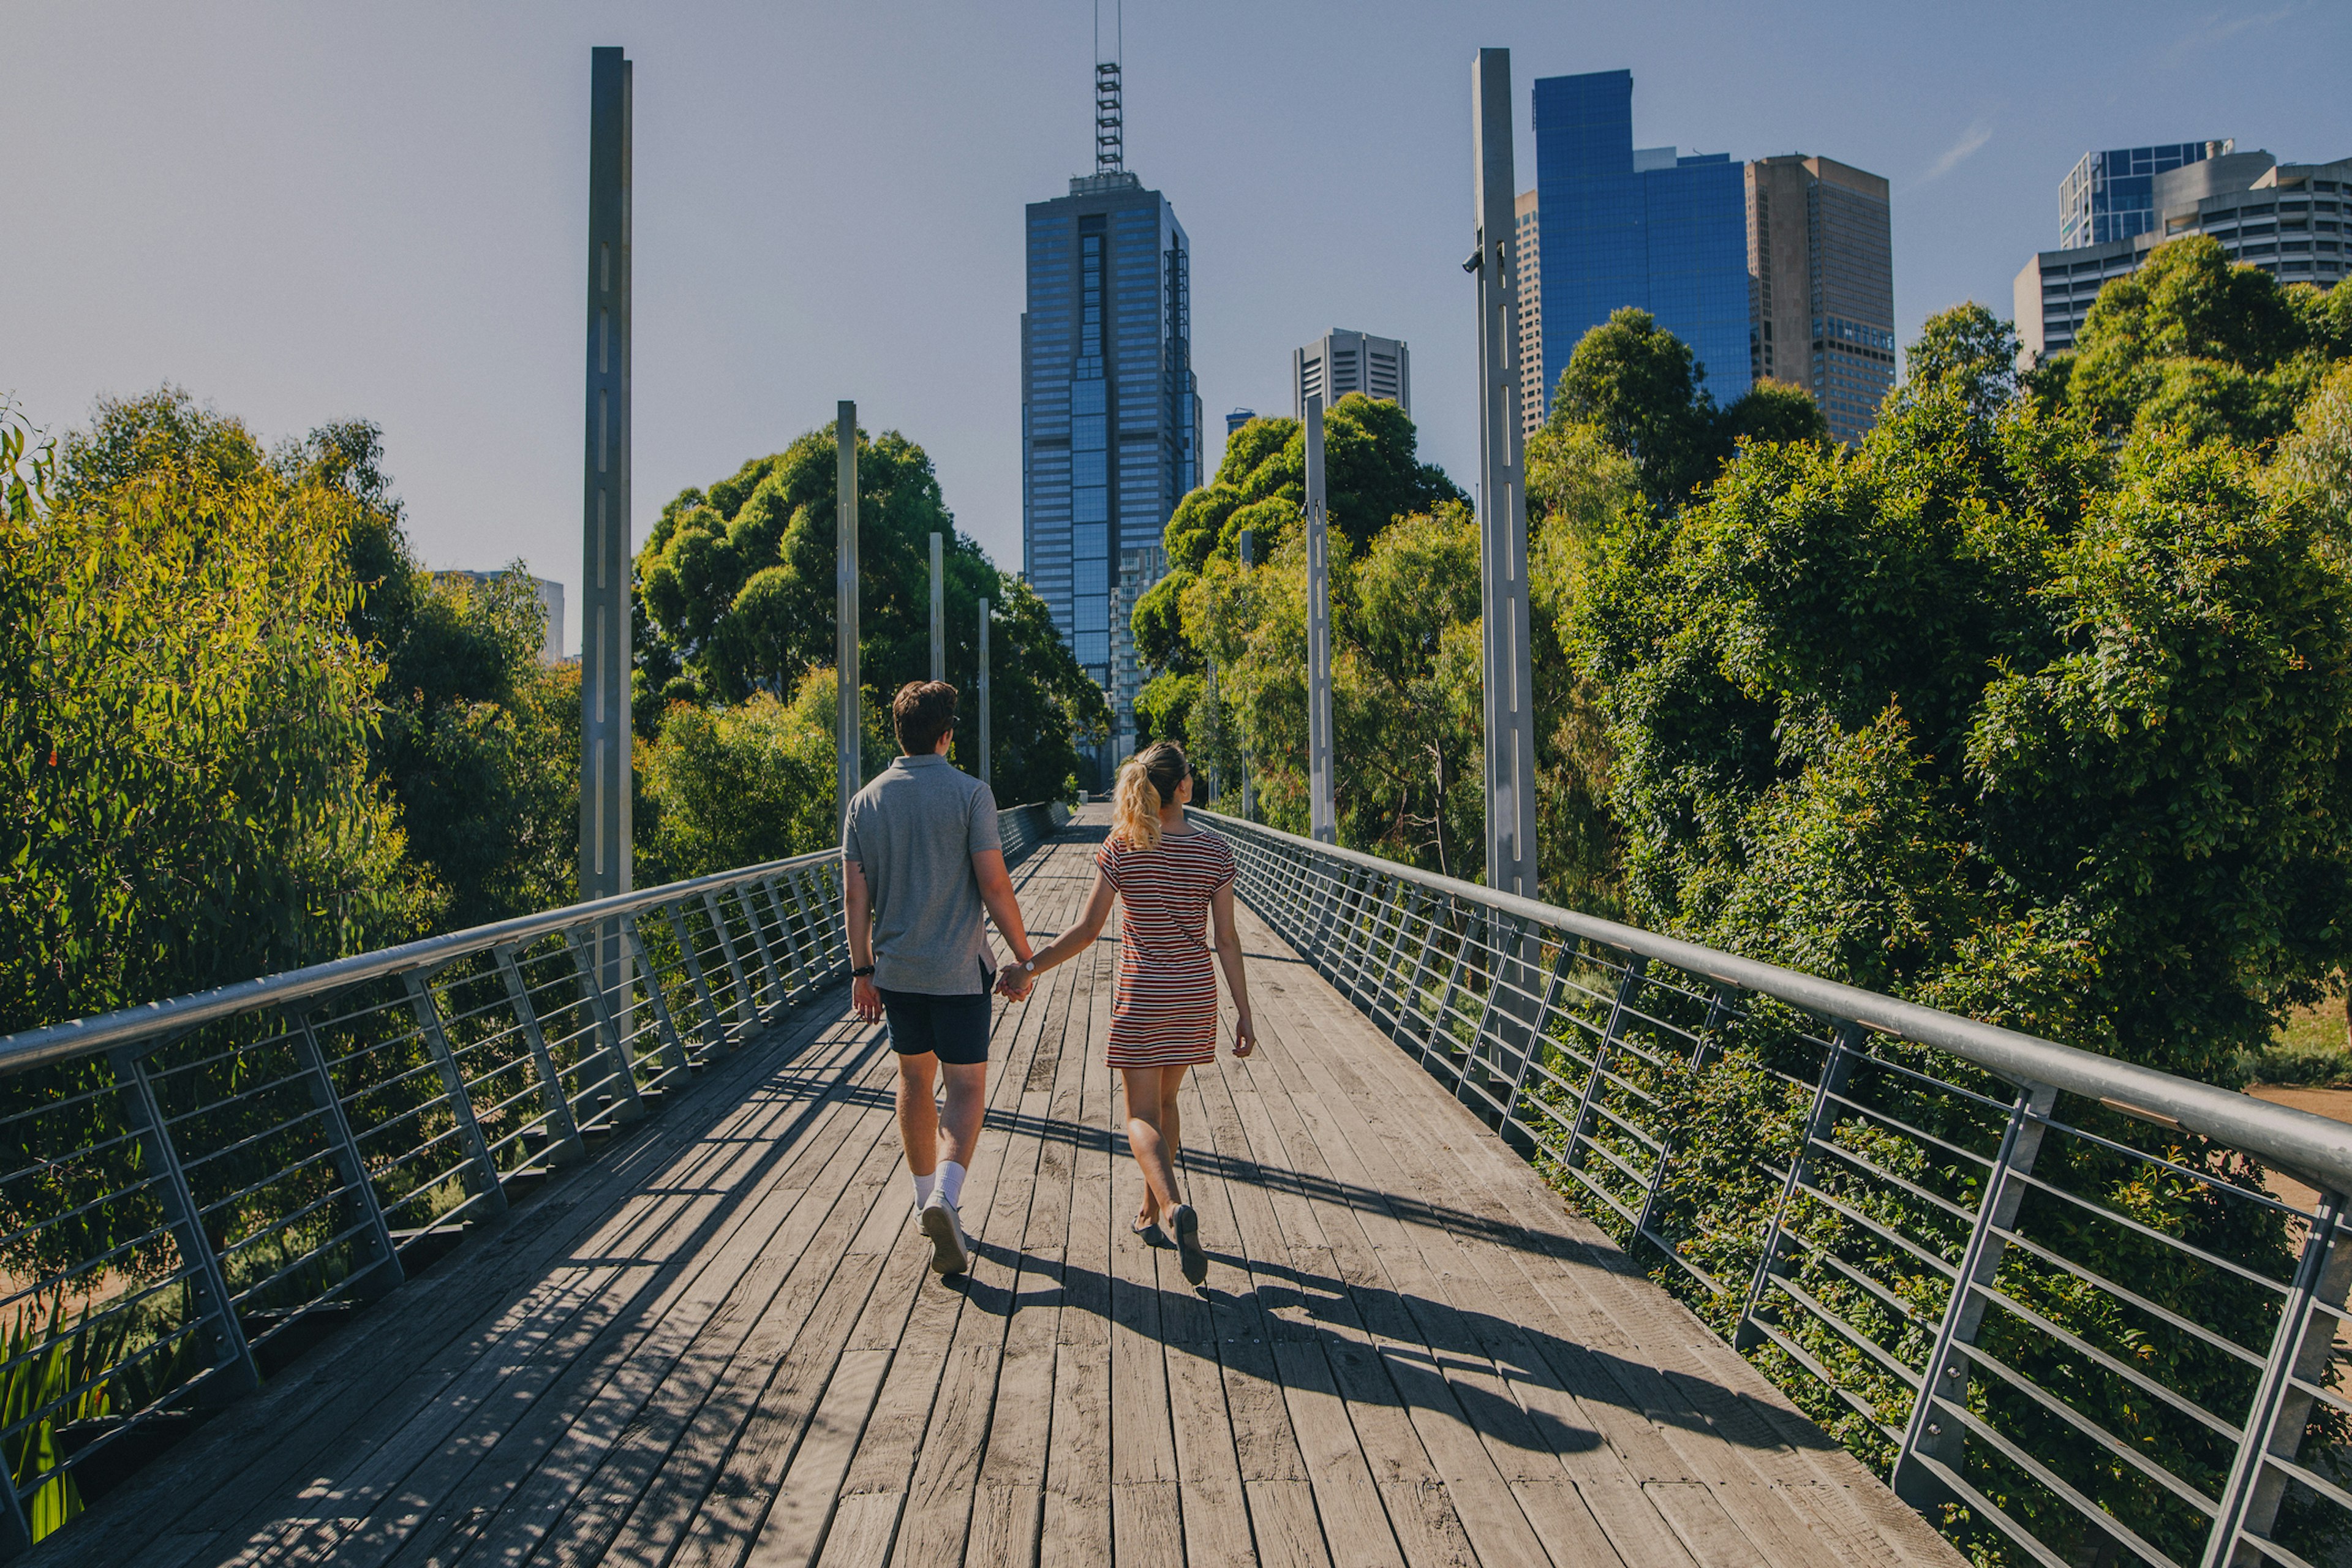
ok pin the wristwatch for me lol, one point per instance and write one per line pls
(861, 973)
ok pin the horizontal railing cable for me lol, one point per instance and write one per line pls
(191, 1189)
(2075, 1309)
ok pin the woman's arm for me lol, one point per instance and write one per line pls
(1229, 957)
(1067, 945)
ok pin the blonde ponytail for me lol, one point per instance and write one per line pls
(1147, 782)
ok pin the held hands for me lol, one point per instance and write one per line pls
(864, 1001)
(1244, 1035)
(1013, 983)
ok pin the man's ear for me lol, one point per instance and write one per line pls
(945, 741)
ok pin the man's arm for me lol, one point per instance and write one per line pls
(857, 913)
(1004, 908)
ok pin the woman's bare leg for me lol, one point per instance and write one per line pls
(1172, 1139)
(1145, 1104)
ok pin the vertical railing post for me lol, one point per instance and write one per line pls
(1535, 1040)
(235, 1370)
(743, 892)
(1452, 986)
(1945, 1380)
(483, 1182)
(714, 1034)
(629, 1105)
(1505, 948)
(734, 964)
(680, 1065)
(804, 979)
(1408, 904)
(1717, 1011)
(1336, 882)
(1629, 985)
(1818, 1122)
(383, 1271)
(1427, 907)
(563, 1143)
(2300, 1351)
(819, 938)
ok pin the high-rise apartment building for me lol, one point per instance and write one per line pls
(1110, 414)
(2111, 195)
(2292, 220)
(1821, 273)
(1645, 227)
(1526, 266)
(1342, 361)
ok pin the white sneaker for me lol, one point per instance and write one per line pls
(950, 1253)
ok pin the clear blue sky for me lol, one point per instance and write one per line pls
(304, 212)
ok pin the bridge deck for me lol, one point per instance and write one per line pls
(719, 1344)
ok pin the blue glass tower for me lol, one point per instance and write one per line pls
(1110, 414)
(2111, 195)
(1624, 226)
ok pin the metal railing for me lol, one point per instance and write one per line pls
(2074, 1309)
(191, 1191)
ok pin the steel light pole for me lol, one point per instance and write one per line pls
(1323, 822)
(604, 635)
(983, 693)
(1249, 774)
(938, 616)
(1502, 505)
(846, 741)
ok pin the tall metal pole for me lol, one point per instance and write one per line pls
(938, 616)
(983, 693)
(1249, 774)
(1502, 505)
(1322, 820)
(604, 635)
(846, 739)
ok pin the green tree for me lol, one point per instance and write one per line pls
(2194, 344)
(1643, 389)
(184, 723)
(735, 786)
(739, 594)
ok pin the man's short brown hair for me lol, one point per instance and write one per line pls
(921, 712)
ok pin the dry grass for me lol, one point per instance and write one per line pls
(2309, 1048)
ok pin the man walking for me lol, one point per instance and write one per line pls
(921, 859)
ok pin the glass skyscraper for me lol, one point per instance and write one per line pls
(2112, 195)
(1619, 226)
(1111, 417)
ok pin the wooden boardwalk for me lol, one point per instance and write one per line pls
(719, 1344)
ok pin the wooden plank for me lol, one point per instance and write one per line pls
(237, 1473)
(1209, 1480)
(802, 1509)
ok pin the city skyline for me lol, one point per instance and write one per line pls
(407, 193)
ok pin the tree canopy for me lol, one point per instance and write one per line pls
(2031, 713)
(738, 589)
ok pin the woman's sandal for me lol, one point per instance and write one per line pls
(1186, 1226)
(1149, 1231)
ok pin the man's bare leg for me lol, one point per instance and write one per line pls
(918, 1120)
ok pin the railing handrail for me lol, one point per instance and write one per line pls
(2299, 1141)
(88, 1037)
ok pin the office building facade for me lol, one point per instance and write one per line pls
(1237, 418)
(1342, 361)
(1820, 277)
(2292, 220)
(1109, 410)
(1527, 267)
(1622, 226)
(2111, 195)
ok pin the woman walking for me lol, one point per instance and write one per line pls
(1166, 876)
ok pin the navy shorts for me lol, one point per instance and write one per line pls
(953, 1028)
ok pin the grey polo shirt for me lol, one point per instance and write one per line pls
(913, 832)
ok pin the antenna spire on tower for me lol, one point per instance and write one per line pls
(1110, 116)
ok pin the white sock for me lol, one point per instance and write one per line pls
(948, 1183)
(923, 1189)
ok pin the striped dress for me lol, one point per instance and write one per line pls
(1164, 1012)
